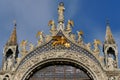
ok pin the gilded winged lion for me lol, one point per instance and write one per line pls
(60, 40)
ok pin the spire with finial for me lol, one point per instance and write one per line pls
(109, 37)
(13, 38)
(61, 12)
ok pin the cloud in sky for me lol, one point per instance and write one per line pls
(33, 15)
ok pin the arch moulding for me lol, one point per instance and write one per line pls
(71, 56)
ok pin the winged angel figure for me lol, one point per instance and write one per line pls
(40, 37)
(23, 46)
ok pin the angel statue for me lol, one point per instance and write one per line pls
(23, 46)
(40, 37)
(80, 39)
(68, 28)
(96, 46)
(53, 26)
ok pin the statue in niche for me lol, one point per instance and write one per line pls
(80, 39)
(53, 27)
(8, 64)
(40, 37)
(68, 28)
(110, 62)
(96, 46)
(111, 54)
(23, 47)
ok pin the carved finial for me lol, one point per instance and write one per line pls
(109, 37)
(61, 12)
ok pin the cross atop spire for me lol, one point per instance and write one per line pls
(13, 38)
(109, 37)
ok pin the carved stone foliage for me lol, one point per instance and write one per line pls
(48, 47)
(71, 56)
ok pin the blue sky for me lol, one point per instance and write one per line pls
(33, 15)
